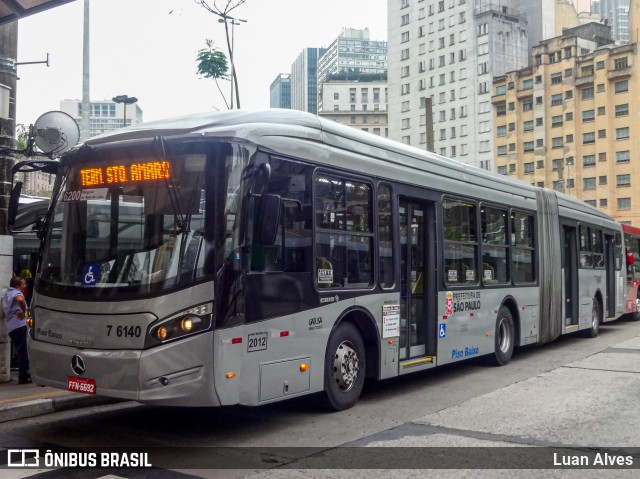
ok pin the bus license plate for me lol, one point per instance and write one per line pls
(81, 385)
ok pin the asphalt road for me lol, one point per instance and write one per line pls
(575, 392)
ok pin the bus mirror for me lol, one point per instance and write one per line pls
(269, 219)
(14, 200)
(630, 259)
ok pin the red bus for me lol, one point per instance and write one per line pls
(632, 246)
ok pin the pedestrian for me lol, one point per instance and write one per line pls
(14, 307)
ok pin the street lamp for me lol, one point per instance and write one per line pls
(233, 21)
(126, 100)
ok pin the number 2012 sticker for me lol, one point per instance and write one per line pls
(257, 342)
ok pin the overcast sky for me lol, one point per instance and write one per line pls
(147, 49)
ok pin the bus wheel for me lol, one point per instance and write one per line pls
(635, 316)
(596, 314)
(344, 368)
(504, 337)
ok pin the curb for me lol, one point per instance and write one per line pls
(39, 407)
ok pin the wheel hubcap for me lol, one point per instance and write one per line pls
(346, 365)
(637, 305)
(594, 318)
(504, 336)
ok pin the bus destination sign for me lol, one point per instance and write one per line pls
(119, 174)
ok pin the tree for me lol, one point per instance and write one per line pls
(213, 64)
(224, 13)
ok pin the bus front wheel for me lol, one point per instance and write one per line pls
(504, 337)
(344, 368)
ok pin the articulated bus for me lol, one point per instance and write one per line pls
(246, 258)
(632, 247)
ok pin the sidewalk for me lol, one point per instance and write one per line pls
(18, 401)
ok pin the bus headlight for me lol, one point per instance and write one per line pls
(185, 323)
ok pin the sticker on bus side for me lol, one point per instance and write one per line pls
(325, 276)
(390, 320)
(257, 342)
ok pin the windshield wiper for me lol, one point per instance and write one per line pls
(171, 187)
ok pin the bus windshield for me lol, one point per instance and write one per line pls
(127, 223)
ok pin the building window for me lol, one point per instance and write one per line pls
(599, 65)
(601, 110)
(483, 29)
(501, 110)
(602, 180)
(600, 87)
(556, 78)
(528, 125)
(586, 70)
(621, 86)
(501, 89)
(501, 131)
(624, 203)
(511, 126)
(512, 168)
(623, 180)
(569, 138)
(622, 110)
(336, 96)
(527, 84)
(602, 133)
(539, 121)
(569, 160)
(539, 142)
(512, 147)
(557, 142)
(502, 170)
(502, 150)
(404, 37)
(590, 202)
(588, 138)
(540, 164)
(602, 156)
(527, 105)
(557, 164)
(568, 72)
(620, 63)
(623, 156)
(622, 133)
(528, 146)
(568, 95)
(570, 183)
(589, 160)
(588, 115)
(587, 93)
(589, 183)
(556, 121)
(556, 99)
(528, 168)
(603, 202)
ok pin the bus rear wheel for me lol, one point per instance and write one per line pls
(504, 337)
(596, 318)
(635, 316)
(344, 368)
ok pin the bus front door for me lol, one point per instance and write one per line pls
(416, 335)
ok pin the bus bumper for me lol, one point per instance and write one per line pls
(179, 373)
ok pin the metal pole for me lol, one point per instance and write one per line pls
(428, 120)
(8, 78)
(124, 115)
(233, 70)
(85, 130)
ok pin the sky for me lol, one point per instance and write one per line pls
(148, 48)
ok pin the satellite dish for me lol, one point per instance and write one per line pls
(56, 132)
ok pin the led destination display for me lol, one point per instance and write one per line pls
(119, 174)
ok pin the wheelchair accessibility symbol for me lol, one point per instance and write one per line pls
(442, 331)
(90, 274)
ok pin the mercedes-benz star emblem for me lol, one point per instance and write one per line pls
(77, 364)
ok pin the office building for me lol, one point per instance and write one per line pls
(105, 115)
(614, 13)
(352, 55)
(568, 121)
(361, 105)
(450, 50)
(280, 91)
(304, 80)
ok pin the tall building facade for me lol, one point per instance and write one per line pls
(105, 115)
(568, 121)
(614, 13)
(280, 91)
(304, 80)
(361, 105)
(351, 54)
(449, 50)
